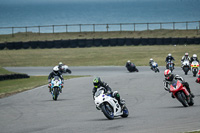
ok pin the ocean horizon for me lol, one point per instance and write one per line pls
(66, 13)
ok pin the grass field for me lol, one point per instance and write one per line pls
(29, 36)
(95, 56)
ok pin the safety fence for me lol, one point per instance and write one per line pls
(98, 42)
(13, 76)
(101, 27)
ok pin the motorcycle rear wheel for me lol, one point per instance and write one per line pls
(125, 112)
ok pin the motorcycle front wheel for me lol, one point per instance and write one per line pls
(55, 93)
(181, 97)
(107, 111)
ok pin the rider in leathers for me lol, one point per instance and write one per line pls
(54, 73)
(194, 58)
(185, 57)
(198, 78)
(169, 77)
(169, 58)
(98, 83)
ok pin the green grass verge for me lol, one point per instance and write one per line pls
(29, 36)
(96, 56)
(10, 87)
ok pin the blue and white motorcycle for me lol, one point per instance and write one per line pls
(56, 86)
(155, 67)
(109, 105)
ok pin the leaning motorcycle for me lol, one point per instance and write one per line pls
(132, 68)
(186, 66)
(109, 105)
(65, 69)
(181, 93)
(56, 87)
(155, 67)
(170, 65)
(195, 68)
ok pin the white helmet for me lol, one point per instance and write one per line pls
(194, 55)
(129, 61)
(56, 69)
(169, 54)
(151, 59)
(60, 63)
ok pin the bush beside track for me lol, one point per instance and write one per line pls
(81, 43)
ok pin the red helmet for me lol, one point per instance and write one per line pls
(167, 73)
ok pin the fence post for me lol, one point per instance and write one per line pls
(39, 29)
(26, 30)
(12, 31)
(147, 26)
(160, 26)
(186, 25)
(107, 27)
(53, 28)
(80, 27)
(93, 27)
(120, 27)
(134, 27)
(66, 28)
(173, 25)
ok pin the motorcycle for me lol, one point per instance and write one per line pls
(195, 68)
(56, 86)
(109, 105)
(132, 68)
(155, 67)
(170, 65)
(65, 69)
(181, 93)
(186, 66)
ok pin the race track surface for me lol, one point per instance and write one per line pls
(151, 108)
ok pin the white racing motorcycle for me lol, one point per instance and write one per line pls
(186, 66)
(109, 105)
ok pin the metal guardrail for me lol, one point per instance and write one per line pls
(102, 27)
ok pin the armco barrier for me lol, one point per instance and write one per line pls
(13, 76)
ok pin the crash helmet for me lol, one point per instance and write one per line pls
(60, 63)
(168, 74)
(151, 59)
(56, 69)
(194, 55)
(96, 82)
(129, 62)
(186, 54)
(169, 54)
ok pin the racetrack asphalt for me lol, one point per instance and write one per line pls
(151, 108)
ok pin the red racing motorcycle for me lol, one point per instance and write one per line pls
(181, 93)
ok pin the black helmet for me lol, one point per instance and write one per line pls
(96, 82)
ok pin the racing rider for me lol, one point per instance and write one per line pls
(194, 58)
(169, 58)
(54, 73)
(169, 77)
(198, 78)
(98, 83)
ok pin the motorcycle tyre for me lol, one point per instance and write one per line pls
(191, 103)
(106, 111)
(55, 94)
(181, 98)
(125, 112)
